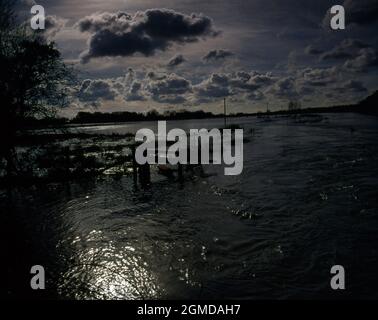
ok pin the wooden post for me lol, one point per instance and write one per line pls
(135, 167)
(145, 175)
(180, 175)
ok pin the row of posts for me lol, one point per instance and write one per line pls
(144, 172)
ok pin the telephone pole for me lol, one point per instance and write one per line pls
(225, 113)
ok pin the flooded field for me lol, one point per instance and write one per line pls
(307, 200)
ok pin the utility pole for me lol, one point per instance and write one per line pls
(225, 113)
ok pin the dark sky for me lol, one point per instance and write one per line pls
(174, 54)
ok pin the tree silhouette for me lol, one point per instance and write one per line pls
(33, 80)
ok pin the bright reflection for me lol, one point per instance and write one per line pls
(103, 271)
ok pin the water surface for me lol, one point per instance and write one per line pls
(307, 200)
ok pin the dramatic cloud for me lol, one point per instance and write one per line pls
(284, 38)
(122, 34)
(215, 55)
(176, 60)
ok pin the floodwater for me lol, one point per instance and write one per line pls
(307, 200)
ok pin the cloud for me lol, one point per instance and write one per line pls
(317, 77)
(169, 89)
(93, 90)
(284, 88)
(255, 96)
(261, 80)
(135, 92)
(351, 86)
(241, 87)
(145, 32)
(171, 84)
(310, 49)
(216, 86)
(54, 24)
(220, 85)
(345, 49)
(215, 55)
(366, 58)
(176, 60)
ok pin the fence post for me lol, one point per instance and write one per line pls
(135, 167)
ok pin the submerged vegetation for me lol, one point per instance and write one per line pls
(65, 156)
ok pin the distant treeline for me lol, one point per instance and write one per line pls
(126, 116)
(86, 117)
(367, 106)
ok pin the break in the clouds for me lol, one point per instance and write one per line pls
(145, 32)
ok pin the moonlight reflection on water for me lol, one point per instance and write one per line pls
(108, 272)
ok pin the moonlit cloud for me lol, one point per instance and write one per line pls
(123, 34)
